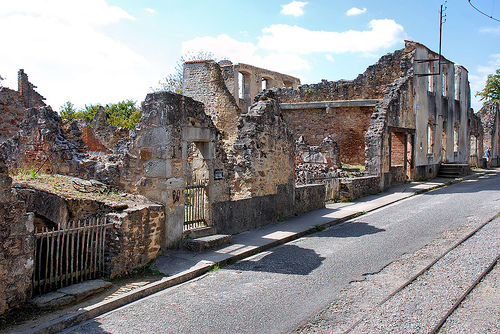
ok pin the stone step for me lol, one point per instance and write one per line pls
(206, 243)
(199, 232)
(453, 170)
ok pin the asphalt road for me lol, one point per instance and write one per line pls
(278, 290)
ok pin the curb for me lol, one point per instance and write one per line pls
(95, 310)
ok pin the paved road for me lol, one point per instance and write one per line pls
(276, 291)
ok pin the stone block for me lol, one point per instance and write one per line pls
(156, 168)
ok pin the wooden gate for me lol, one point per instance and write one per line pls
(70, 255)
(194, 206)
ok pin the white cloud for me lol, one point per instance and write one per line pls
(293, 39)
(222, 46)
(494, 30)
(225, 47)
(293, 8)
(329, 57)
(355, 11)
(61, 48)
(150, 10)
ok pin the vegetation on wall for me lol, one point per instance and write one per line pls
(124, 113)
(491, 91)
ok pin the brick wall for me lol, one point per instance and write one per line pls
(397, 149)
(346, 126)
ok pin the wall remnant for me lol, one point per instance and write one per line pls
(489, 116)
(16, 246)
(13, 104)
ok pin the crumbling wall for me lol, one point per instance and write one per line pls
(263, 151)
(13, 104)
(476, 144)
(11, 113)
(369, 85)
(246, 81)
(108, 135)
(204, 82)
(489, 116)
(344, 125)
(26, 89)
(393, 110)
(16, 246)
(41, 144)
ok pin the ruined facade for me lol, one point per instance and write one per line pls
(489, 116)
(254, 139)
(16, 246)
(13, 103)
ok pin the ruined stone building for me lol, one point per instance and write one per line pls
(489, 118)
(243, 147)
(401, 119)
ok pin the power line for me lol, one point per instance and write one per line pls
(491, 17)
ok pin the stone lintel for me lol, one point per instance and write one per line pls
(330, 104)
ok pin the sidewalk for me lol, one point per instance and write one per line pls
(181, 266)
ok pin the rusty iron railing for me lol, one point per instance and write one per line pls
(194, 206)
(69, 255)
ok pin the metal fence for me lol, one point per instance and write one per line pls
(70, 255)
(194, 206)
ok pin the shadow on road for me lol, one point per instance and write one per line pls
(352, 230)
(287, 259)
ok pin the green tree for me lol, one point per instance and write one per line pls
(124, 113)
(68, 110)
(173, 82)
(491, 91)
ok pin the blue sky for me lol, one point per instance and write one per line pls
(102, 51)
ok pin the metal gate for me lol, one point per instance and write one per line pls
(70, 255)
(194, 206)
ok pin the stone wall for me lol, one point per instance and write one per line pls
(41, 144)
(263, 151)
(476, 135)
(489, 116)
(11, 113)
(13, 104)
(16, 247)
(369, 85)
(309, 197)
(26, 89)
(204, 82)
(245, 82)
(355, 187)
(136, 238)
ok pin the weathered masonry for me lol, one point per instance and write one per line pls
(244, 147)
(489, 117)
(401, 119)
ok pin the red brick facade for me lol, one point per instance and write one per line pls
(345, 125)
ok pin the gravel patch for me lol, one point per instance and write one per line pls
(414, 309)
